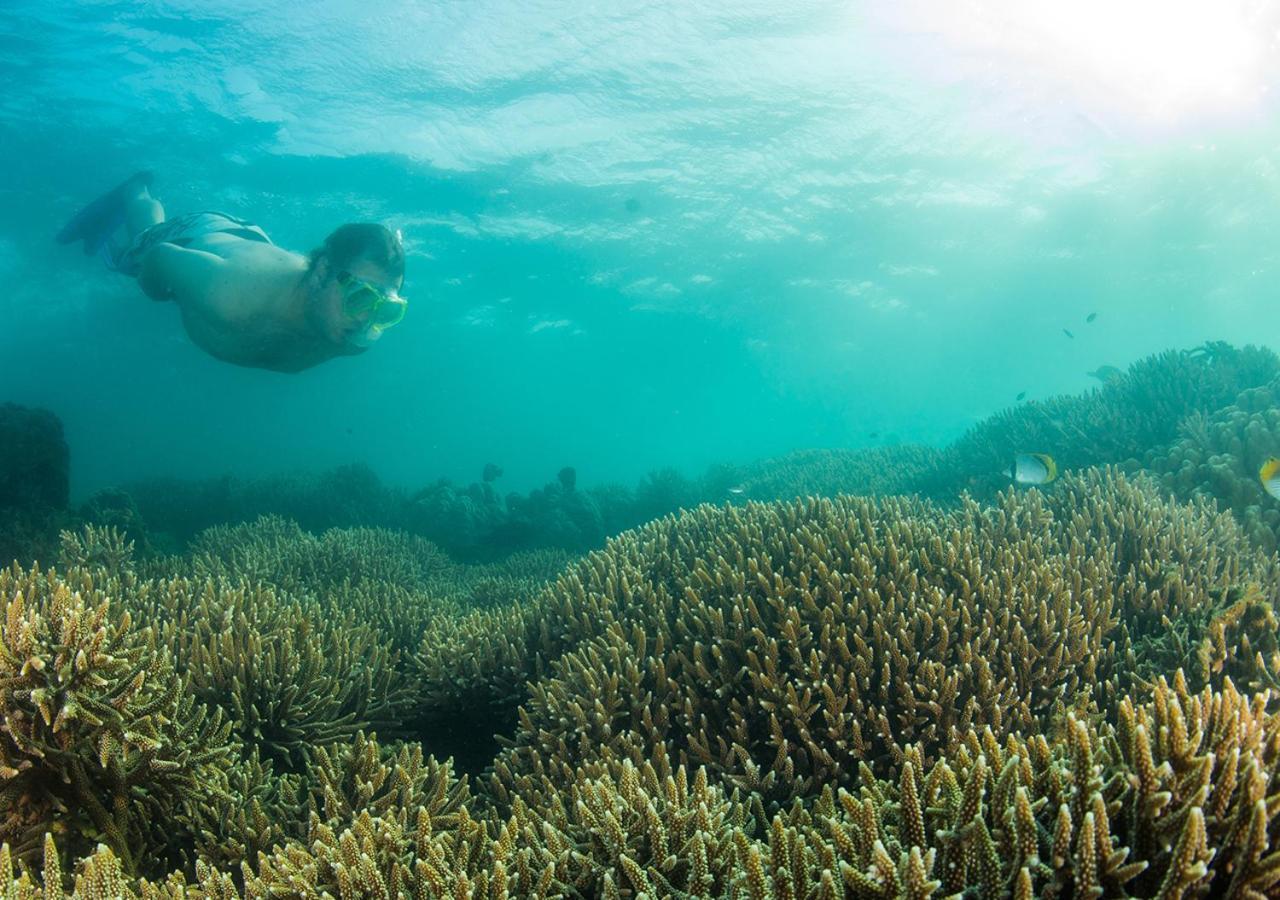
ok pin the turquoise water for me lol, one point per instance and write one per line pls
(648, 236)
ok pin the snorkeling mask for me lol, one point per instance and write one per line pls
(384, 307)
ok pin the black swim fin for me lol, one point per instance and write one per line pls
(95, 223)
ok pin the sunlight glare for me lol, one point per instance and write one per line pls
(1161, 61)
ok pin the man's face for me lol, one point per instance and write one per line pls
(331, 319)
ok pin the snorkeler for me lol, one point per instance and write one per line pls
(243, 299)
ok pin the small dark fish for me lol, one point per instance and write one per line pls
(1105, 374)
(632, 205)
(873, 435)
(348, 429)
(1022, 396)
(1090, 317)
(1068, 334)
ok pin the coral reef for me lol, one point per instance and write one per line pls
(782, 646)
(291, 675)
(824, 473)
(277, 551)
(350, 495)
(462, 519)
(1069, 692)
(1124, 420)
(114, 508)
(1219, 456)
(1130, 417)
(1169, 801)
(34, 459)
(34, 483)
(102, 739)
(557, 515)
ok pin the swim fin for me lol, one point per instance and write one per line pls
(95, 223)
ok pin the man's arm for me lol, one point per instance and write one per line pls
(170, 272)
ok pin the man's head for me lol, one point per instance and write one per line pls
(355, 278)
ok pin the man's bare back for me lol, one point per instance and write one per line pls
(243, 299)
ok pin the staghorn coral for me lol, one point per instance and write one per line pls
(471, 674)
(113, 508)
(382, 825)
(619, 827)
(518, 577)
(277, 551)
(783, 645)
(100, 548)
(1186, 578)
(1174, 799)
(683, 715)
(290, 677)
(361, 776)
(259, 811)
(1121, 421)
(1219, 455)
(867, 471)
(1170, 801)
(102, 740)
(395, 583)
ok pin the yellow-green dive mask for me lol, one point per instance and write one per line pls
(384, 307)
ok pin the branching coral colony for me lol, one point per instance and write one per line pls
(1059, 694)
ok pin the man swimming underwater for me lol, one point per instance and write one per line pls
(243, 299)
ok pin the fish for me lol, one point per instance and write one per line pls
(873, 435)
(1033, 468)
(1105, 374)
(1090, 317)
(1269, 475)
(737, 489)
(1068, 334)
(1022, 396)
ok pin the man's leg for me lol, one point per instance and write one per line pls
(143, 212)
(122, 211)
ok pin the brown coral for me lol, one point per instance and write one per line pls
(783, 645)
(1219, 455)
(821, 698)
(102, 740)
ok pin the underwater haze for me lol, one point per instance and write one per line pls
(819, 450)
(639, 234)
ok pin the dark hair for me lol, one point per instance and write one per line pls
(362, 240)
